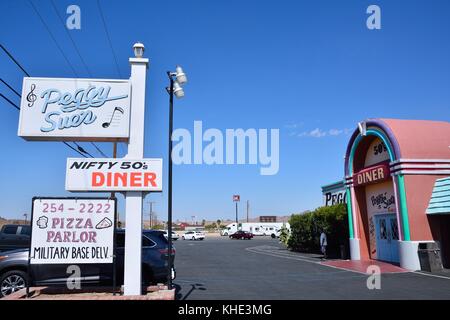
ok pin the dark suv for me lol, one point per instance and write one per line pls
(14, 236)
(14, 264)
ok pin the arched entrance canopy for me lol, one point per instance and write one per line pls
(418, 155)
(376, 127)
(379, 129)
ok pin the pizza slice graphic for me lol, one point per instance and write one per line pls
(104, 223)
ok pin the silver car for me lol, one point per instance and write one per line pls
(175, 236)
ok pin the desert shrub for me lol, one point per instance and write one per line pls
(284, 235)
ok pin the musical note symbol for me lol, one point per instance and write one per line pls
(31, 97)
(106, 124)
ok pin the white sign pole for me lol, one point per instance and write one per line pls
(133, 200)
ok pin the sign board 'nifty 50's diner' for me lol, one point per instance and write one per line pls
(75, 109)
(113, 174)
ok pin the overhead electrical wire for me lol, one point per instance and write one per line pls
(84, 156)
(15, 91)
(81, 58)
(112, 51)
(10, 102)
(109, 38)
(99, 150)
(17, 107)
(11, 88)
(82, 150)
(62, 51)
(53, 38)
(71, 39)
(14, 60)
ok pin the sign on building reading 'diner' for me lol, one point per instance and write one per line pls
(371, 175)
(69, 231)
(75, 109)
(83, 174)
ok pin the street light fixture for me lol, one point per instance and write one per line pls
(178, 90)
(181, 76)
(138, 49)
(176, 79)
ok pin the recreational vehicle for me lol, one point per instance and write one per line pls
(257, 228)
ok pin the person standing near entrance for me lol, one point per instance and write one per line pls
(323, 244)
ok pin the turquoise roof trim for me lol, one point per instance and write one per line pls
(336, 186)
(440, 198)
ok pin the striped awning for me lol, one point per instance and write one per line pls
(440, 198)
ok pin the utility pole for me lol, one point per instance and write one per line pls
(155, 219)
(248, 208)
(151, 213)
(26, 216)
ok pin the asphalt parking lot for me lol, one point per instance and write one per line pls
(221, 268)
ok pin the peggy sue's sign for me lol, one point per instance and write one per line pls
(74, 109)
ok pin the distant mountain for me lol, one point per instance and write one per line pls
(255, 219)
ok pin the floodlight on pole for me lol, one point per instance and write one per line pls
(180, 75)
(178, 90)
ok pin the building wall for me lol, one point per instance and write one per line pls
(418, 193)
(334, 193)
(268, 219)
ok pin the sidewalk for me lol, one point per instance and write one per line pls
(158, 292)
(362, 266)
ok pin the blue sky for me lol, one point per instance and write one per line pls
(310, 68)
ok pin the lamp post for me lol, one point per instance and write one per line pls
(177, 79)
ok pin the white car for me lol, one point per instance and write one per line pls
(193, 235)
(175, 236)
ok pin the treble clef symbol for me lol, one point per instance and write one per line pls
(31, 97)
